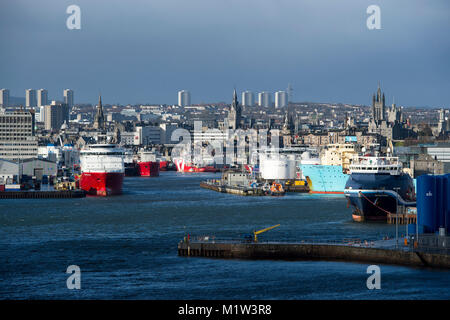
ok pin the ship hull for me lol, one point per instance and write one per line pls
(163, 165)
(191, 169)
(371, 206)
(182, 166)
(372, 196)
(131, 169)
(324, 179)
(148, 169)
(102, 183)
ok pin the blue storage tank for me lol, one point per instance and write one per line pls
(446, 196)
(412, 229)
(440, 202)
(420, 229)
(426, 203)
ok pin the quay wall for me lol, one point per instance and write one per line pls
(42, 194)
(291, 251)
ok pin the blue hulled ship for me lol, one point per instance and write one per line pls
(329, 173)
(376, 186)
(325, 178)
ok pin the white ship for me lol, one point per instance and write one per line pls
(102, 169)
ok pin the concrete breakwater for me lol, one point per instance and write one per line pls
(301, 251)
(42, 194)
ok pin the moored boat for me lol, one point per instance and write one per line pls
(377, 186)
(148, 165)
(102, 169)
(329, 174)
(184, 166)
(131, 167)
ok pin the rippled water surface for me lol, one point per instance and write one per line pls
(126, 247)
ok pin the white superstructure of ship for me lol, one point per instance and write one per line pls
(102, 169)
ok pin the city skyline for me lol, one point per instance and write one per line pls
(332, 59)
(271, 95)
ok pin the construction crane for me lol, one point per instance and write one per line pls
(255, 233)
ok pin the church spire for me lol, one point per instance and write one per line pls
(100, 103)
(379, 93)
(99, 122)
(378, 105)
(235, 114)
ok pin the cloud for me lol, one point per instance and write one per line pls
(144, 51)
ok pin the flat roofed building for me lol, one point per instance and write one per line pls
(264, 99)
(4, 98)
(42, 97)
(38, 168)
(9, 171)
(30, 98)
(281, 99)
(184, 98)
(147, 135)
(55, 115)
(17, 140)
(68, 98)
(247, 99)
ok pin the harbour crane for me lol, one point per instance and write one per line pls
(255, 233)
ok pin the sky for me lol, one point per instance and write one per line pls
(142, 51)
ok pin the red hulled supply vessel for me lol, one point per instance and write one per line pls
(184, 166)
(131, 166)
(163, 164)
(148, 165)
(102, 169)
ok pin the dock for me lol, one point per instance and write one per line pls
(403, 218)
(42, 194)
(219, 186)
(312, 251)
(239, 190)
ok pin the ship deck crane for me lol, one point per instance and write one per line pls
(255, 233)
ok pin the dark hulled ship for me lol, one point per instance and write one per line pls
(376, 186)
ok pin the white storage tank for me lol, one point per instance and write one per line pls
(308, 158)
(277, 167)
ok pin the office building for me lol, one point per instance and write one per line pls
(30, 98)
(166, 130)
(281, 99)
(68, 98)
(4, 98)
(264, 99)
(17, 140)
(55, 114)
(247, 99)
(184, 98)
(42, 97)
(147, 135)
(40, 114)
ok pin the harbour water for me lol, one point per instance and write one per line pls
(126, 246)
